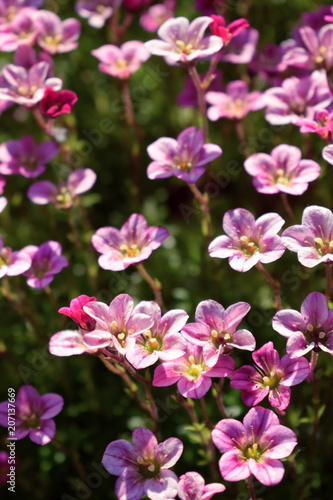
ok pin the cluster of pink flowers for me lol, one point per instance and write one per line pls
(128, 334)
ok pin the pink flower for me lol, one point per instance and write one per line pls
(191, 486)
(253, 447)
(281, 171)
(96, 11)
(218, 27)
(143, 466)
(271, 376)
(190, 372)
(33, 414)
(310, 329)
(13, 263)
(117, 325)
(215, 329)
(122, 61)
(183, 157)
(3, 203)
(63, 194)
(22, 31)
(58, 103)
(321, 124)
(156, 15)
(236, 103)
(56, 36)
(76, 313)
(327, 153)
(313, 239)
(248, 241)
(163, 339)
(132, 244)
(25, 157)
(47, 261)
(26, 86)
(182, 41)
(297, 97)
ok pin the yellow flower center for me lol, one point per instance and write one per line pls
(130, 251)
(247, 246)
(53, 40)
(184, 48)
(281, 177)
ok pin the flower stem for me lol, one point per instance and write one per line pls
(206, 223)
(74, 457)
(219, 399)
(154, 284)
(210, 74)
(136, 145)
(205, 414)
(328, 270)
(288, 208)
(241, 136)
(249, 484)
(274, 284)
(47, 128)
(200, 87)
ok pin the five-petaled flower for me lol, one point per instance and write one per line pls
(143, 466)
(13, 263)
(33, 414)
(46, 261)
(313, 239)
(191, 373)
(215, 329)
(58, 103)
(63, 194)
(248, 241)
(76, 313)
(282, 170)
(183, 157)
(183, 42)
(191, 486)
(271, 376)
(236, 103)
(122, 61)
(307, 330)
(254, 446)
(132, 244)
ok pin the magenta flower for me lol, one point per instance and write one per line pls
(122, 61)
(95, 11)
(156, 15)
(253, 447)
(282, 170)
(241, 48)
(22, 31)
(134, 6)
(313, 239)
(9, 9)
(117, 325)
(297, 97)
(215, 329)
(219, 28)
(191, 373)
(63, 194)
(313, 49)
(56, 36)
(76, 313)
(191, 486)
(271, 376)
(25, 157)
(248, 241)
(143, 466)
(321, 124)
(163, 339)
(55, 103)
(26, 86)
(33, 414)
(47, 261)
(132, 244)
(183, 157)
(182, 41)
(70, 343)
(13, 263)
(236, 103)
(310, 329)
